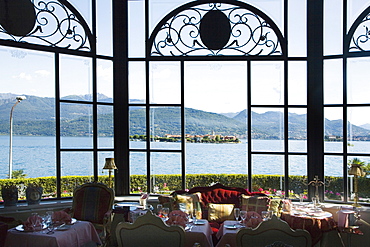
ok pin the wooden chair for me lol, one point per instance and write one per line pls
(93, 202)
(149, 230)
(273, 232)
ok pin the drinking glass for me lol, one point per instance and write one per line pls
(165, 212)
(243, 215)
(301, 196)
(159, 210)
(265, 215)
(236, 213)
(314, 202)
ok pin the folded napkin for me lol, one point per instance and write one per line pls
(61, 217)
(253, 219)
(34, 222)
(177, 217)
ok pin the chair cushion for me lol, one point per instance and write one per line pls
(91, 204)
(255, 203)
(220, 212)
(187, 202)
(275, 205)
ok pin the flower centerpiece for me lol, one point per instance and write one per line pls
(33, 193)
(9, 193)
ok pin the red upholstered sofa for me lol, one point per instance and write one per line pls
(216, 194)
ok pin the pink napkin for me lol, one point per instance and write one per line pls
(61, 217)
(32, 223)
(177, 217)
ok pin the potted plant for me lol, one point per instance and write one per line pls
(33, 193)
(9, 192)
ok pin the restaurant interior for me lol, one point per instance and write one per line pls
(305, 57)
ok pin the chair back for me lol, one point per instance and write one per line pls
(149, 230)
(273, 232)
(91, 202)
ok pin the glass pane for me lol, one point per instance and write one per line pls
(333, 170)
(165, 83)
(76, 125)
(137, 127)
(297, 84)
(75, 78)
(105, 127)
(267, 83)
(216, 158)
(84, 8)
(333, 81)
(262, 167)
(297, 130)
(333, 129)
(71, 164)
(162, 165)
(358, 129)
(298, 176)
(333, 27)
(362, 181)
(268, 129)
(355, 8)
(216, 87)
(104, 81)
(357, 86)
(138, 171)
(104, 27)
(137, 84)
(136, 28)
(165, 127)
(104, 173)
(297, 26)
(31, 74)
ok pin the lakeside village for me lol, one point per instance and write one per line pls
(189, 138)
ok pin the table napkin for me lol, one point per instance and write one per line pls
(61, 217)
(28, 225)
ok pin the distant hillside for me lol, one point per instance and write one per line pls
(36, 116)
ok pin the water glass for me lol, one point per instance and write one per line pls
(159, 210)
(236, 213)
(301, 197)
(265, 215)
(314, 201)
(165, 212)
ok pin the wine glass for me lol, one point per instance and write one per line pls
(243, 215)
(159, 210)
(165, 212)
(265, 215)
(236, 213)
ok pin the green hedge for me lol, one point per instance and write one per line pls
(169, 183)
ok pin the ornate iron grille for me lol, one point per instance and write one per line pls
(54, 25)
(360, 40)
(190, 33)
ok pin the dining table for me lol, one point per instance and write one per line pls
(77, 234)
(198, 232)
(227, 233)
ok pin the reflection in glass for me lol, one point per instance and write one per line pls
(75, 78)
(267, 88)
(333, 81)
(137, 131)
(76, 123)
(358, 129)
(165, 127)
(333, 129)
(358, 73)
(105, 126)
(165, 86)
(270, 122)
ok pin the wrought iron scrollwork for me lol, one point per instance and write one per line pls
(250, 34)
(55, 25)
(360, 41)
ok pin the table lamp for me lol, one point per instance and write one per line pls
(356, 171)
(109, 165)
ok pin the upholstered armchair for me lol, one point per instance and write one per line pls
(93, 202)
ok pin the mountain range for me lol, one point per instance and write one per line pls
(36, 116)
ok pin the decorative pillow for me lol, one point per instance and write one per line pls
(187, 203)
(275, 206)
(220, 212)
(255, 203)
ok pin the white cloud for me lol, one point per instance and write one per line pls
(23, 76)
(42, 73)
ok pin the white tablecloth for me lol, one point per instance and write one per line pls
(201, 234)
(80, 233)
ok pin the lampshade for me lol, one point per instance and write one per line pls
(356, 170)
(109, 164)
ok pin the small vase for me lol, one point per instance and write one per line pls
(10, 196)
(33, 195)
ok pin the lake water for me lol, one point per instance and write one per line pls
(36, 155)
